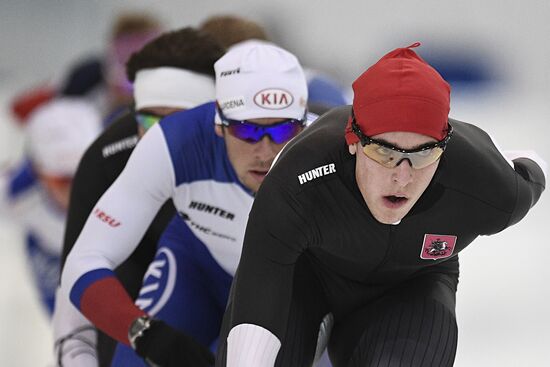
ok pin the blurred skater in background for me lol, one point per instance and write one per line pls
(35, 195)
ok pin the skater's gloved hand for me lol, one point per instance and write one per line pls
(163, 346)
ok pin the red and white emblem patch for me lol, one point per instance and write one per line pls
(273, 99)
(437, 246)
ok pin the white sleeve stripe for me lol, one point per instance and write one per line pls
(250, 345)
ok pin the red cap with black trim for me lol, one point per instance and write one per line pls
(401, 92)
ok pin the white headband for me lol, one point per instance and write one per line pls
(172, 87)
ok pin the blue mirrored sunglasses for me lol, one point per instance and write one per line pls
(279, 132)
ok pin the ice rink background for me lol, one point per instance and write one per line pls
(503, 301)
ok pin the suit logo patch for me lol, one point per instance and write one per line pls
(437, 246)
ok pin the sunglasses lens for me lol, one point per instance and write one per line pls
(243, 131)
(424, 158)
(391, 158)
(253, 133)
(146, 120)
(284, 132)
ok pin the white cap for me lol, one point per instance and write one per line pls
(59, 133)
(172, 87)
(256, 79)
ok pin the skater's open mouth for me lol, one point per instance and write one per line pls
(395, 199)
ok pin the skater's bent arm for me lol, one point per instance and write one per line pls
(113, 230)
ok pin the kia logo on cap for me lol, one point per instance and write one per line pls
(273, 99)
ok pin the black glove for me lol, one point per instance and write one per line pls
(162, 345)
